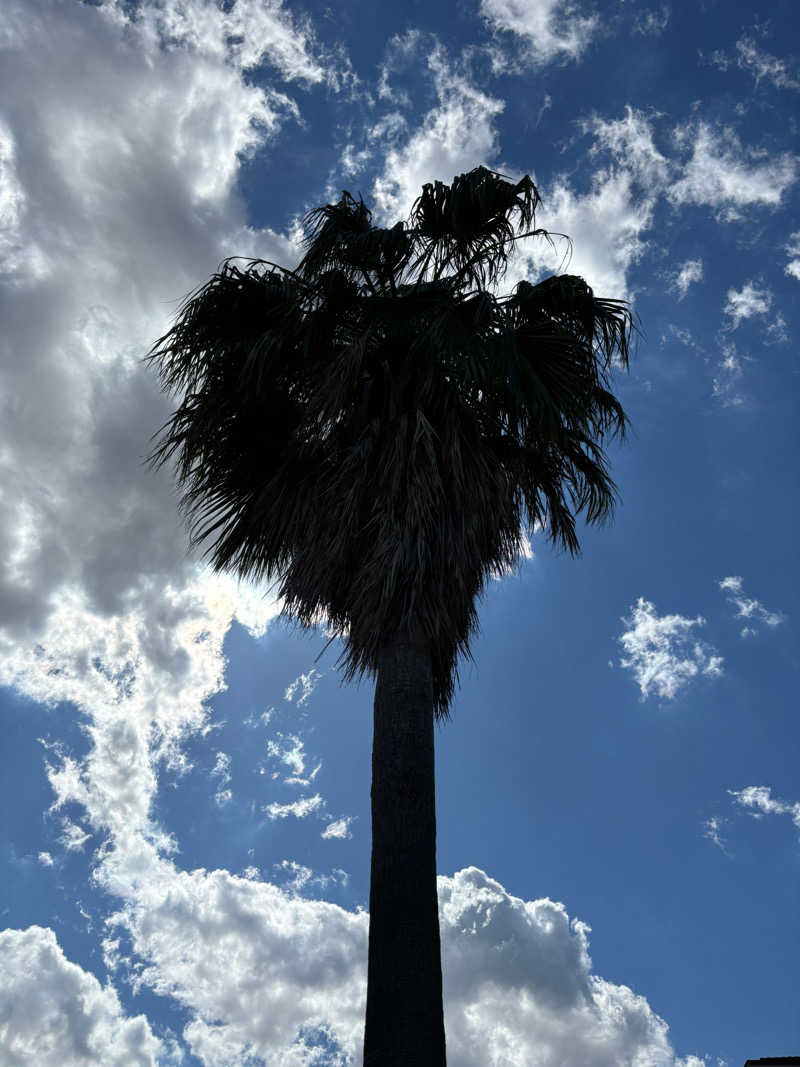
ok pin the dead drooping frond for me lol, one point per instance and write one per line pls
(469, 227)
(375, 430)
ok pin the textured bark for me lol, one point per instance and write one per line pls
(405, 1018)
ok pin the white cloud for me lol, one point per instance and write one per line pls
(519, 987)
(549, 29)
(727, 379)
(662, 651)
(141, 679)
(690, 271)
(518, 974)
(260, 944)
(760, 798)
(605, 225)
(777, 330)
(746, 302)
(607, 222)
(631, 143)
(55, 1014)
(518, 981)
(290, 750)
(763, 65)
(45, 859)
(222, 771)
(109, 214)
(725, 175)
(651, 23)
(455, 136)
(131, 150)
(73, 837)
(299, 808)
(748, 608)
(713, 830)
(339, 829)
(305, 685)
(302, 878)
(222, 768)
(793, 251)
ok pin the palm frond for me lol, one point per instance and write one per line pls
(468, 227)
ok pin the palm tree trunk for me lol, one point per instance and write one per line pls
(405, 1018)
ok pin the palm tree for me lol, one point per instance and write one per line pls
(374, 432)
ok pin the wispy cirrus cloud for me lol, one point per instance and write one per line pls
(792, 249)
(758, 799)
(748, 609)
(760, 63)
(713, 829)
(651, 23)
(728, 377)
(289, 749)
(222, 772)
(302, 688)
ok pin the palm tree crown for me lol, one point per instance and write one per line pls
(376, 429)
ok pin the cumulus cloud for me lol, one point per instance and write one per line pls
(519, 987)
(690, 271)
(663, 653)
(55, 1014)
(746, 302)
(548, 30)
(748, 609)
(261, 945)
(117, 194)
(108, 215)
(140, 681)
(728, 176)
(518, 981)
(518, 976)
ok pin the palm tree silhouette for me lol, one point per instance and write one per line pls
(374, 432)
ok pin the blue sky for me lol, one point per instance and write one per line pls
(185, 838)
